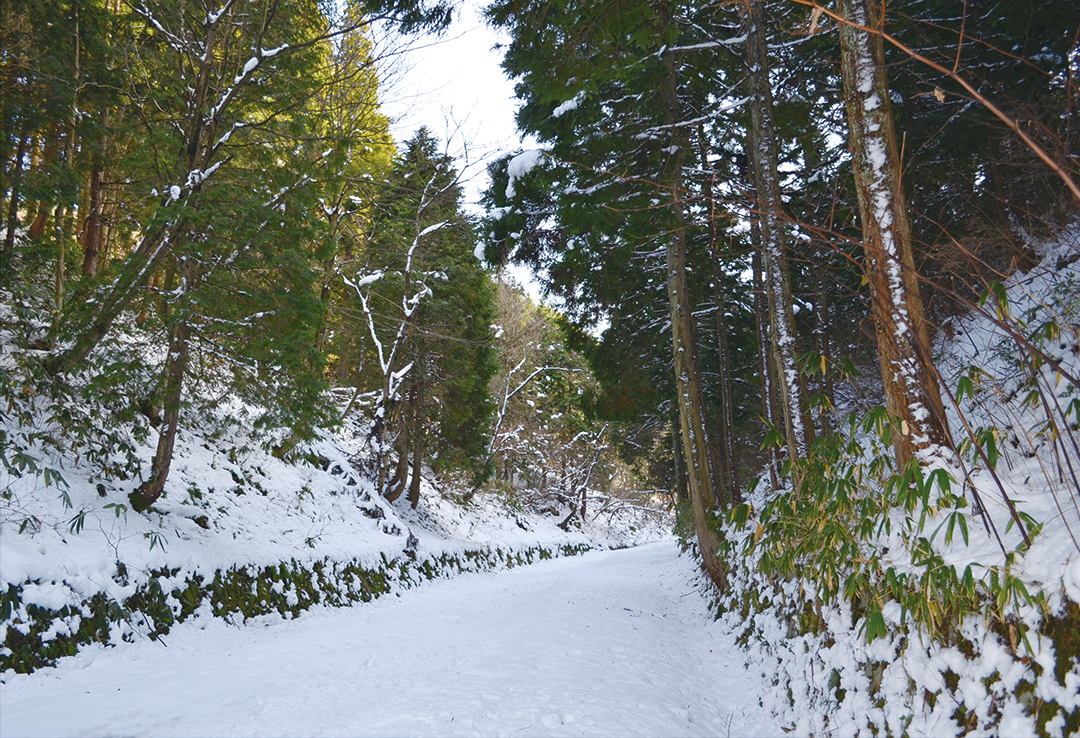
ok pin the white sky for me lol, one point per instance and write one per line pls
(454, 85)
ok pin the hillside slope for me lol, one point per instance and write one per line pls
(241, 533)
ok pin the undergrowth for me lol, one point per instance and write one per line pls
(903, 599)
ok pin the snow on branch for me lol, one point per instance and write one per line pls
(520, 166)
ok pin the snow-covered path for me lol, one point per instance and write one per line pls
(611, 643)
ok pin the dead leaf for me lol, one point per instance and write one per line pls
(939, 94)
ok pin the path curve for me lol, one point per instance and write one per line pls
(610, 643)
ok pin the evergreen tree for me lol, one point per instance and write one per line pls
(612, 109)
(975, 190)
(428, 306)
(911, 389)
(196, 198)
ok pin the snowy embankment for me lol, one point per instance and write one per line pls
(240, 533)
(610, 643)
(1010, 666)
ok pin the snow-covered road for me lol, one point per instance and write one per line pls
(611, 643)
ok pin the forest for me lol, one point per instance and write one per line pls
(808, 279)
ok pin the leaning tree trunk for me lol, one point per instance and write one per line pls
(700, 465)
(91, 321)
(176, 366)
(764, 163)
(700, 462)
(911, 391)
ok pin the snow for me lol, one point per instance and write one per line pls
(611, 643)
(566, 107)
(921, 683)
(433, 228)
(520, 166)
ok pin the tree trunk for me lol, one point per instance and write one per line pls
(766, 368)
(682, 490)
(13, 202)
(725, 428)
(176, 366)
(399, 481)
(62, 232)
(702, 479)
(764, 162)
(50, 154)
(418, 440)
(911, 391)
(821, 339)
(93, 232)
(61, 262)
(139, 267)
(94, 320)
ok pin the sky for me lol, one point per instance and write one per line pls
(453, 85)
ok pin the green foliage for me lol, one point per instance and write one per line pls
(431, 307)
(845, 531)
(210, 177)
(95, 421)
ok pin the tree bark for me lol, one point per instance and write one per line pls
(764, 162)
(176, 366)
(13, 202)
(92, 236)
(50, 155)
(94, 319)
(418, 438)
(766, 368)
(725, 428)
(139, 267)
(700, 462)
(911, 391)
(398, 482)
(821, 340)
(682, 490)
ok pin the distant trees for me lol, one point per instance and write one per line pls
(552, 449)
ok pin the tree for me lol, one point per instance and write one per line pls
(782, 343)
(234, 279)
(969, 180)
(207, 85)
(428, 309)
(611, 108)
(911, 389)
